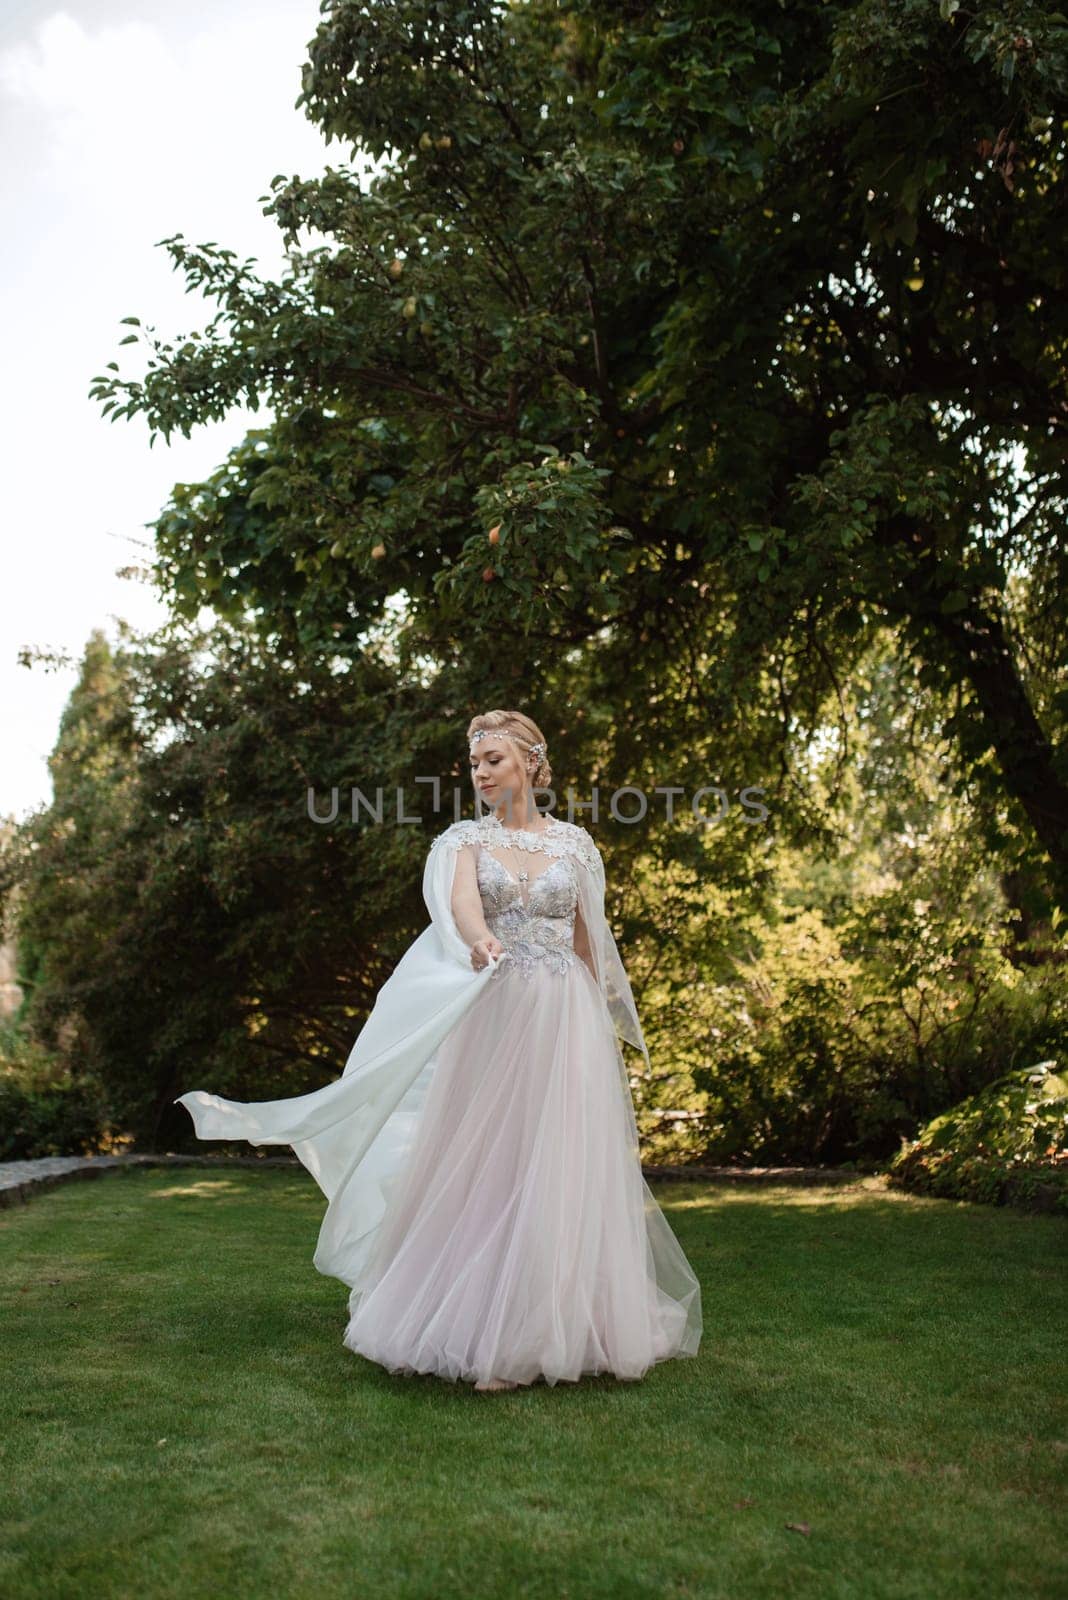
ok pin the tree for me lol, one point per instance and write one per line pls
(681, 348)
(197, 915)
(206, 904)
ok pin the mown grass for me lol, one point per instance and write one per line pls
(180, 1417)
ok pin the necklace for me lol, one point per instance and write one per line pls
(497, 828)
(495, 822)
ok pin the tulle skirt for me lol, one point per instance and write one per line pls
(521, 1240)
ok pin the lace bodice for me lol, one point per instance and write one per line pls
(539, 926)
(531, 911)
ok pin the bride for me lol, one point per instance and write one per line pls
(479, 1152)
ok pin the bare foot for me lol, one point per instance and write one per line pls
(496, 1383)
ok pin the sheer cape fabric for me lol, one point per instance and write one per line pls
(354, 1134)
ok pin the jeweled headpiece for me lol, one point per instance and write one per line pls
(499, 733)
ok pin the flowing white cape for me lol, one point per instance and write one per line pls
(354, 1134)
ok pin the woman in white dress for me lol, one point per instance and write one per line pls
(480, 1152)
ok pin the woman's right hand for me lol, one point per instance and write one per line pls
(483, 950)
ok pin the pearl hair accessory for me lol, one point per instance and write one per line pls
(537, 750)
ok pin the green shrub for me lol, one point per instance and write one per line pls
(45, 1110)
(64, 1120)
(1007, 1145)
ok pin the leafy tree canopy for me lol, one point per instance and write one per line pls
(675, 351)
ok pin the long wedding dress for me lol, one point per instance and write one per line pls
(480, 1152)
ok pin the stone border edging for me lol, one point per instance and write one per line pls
(20, 1179)
(789, 1175)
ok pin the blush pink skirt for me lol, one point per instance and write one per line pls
(521, 1240)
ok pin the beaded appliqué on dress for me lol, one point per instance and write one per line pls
(542, 929)
(558, 839)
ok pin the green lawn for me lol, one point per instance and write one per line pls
(180, 1417)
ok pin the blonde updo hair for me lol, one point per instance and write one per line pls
(526, 733)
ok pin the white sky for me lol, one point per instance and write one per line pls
(122, 122)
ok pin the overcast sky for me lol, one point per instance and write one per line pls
(121, 124)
